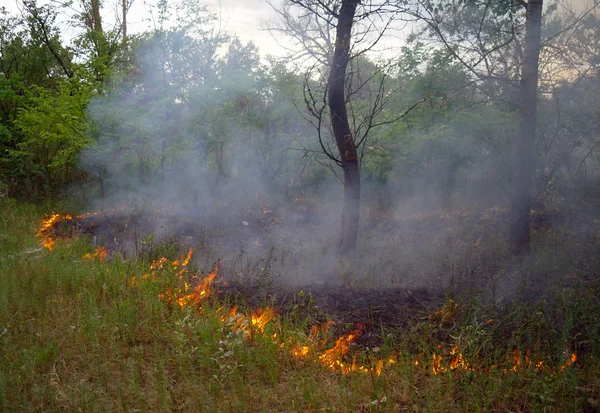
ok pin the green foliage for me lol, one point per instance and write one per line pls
(52, 131)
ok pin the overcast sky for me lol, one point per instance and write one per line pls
(242, 17)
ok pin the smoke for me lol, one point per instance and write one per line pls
(207, 144)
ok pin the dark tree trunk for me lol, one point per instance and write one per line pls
(124, 24)
(341, 128)
(96, 20)
(523, 155)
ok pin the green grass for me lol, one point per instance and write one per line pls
(77, 336)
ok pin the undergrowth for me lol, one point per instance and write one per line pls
(77, 335)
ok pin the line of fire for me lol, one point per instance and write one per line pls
(318, 346)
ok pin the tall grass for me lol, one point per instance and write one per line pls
(76, 335)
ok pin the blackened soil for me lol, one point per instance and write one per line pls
(374, 312)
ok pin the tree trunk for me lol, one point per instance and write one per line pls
(124, 24)
(96, 20)
(341, 128)
(523, 155)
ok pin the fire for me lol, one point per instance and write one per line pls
(323, 330)
(300, 351)
(159, 264)
(336, 358)
(48, 241)
(516, 360)
(570, 361)
(333, 358)
(201, 291)
(193, 291)
(251, 324)
(100, 254)
(188, 296)
(47, 224)
(436, 364)
(184, 295)
(459, 362)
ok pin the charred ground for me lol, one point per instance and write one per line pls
(463, 277)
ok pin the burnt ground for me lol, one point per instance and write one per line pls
(455, 254)
(373, 310)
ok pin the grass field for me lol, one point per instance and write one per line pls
(95, 335)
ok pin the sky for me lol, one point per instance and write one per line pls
(246, 18)
(242, 17)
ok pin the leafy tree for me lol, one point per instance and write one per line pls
(43, 105)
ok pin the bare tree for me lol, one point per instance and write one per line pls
(341, 128)
(335, 35)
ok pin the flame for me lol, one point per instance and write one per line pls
(48, 240)
(436, 364)
(252, 324)
(336, 358)
(379, 364)
(570, 361)
(184, 295)
(324, 330)
(332, 358)
(300, 351)
(458, 362)
(200, 292)
(193, 292)
(100, 254)
(158, 264)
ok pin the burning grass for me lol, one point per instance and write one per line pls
(338, 357)
(105, 333)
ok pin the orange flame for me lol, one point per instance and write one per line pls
(516, 360)
(252, 324)
(335, 358)
(100, 254)
(458, 362)
(200, 292)
(332, 358)
(48, 240)
(570, 361)
(436, 364)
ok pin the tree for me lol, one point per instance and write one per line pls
(333, 88)
(341, 128)
(523, 155)
(43, 98)
(483, 46)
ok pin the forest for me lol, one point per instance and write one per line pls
(396, 207)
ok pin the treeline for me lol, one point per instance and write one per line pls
(186, 103)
